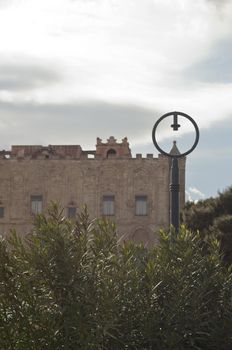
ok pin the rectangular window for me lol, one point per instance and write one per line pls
(108, 205)
(141, 205)
(1, 212)
(36, 204)
(72, 212)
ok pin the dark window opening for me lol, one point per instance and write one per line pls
(1, 212)
(111, 153)
(72, 211)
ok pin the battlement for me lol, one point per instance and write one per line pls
(43, 152)
(111, 149)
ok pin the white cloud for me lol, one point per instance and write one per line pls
(121, 49)
(194, 194)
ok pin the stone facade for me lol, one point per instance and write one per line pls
(133, 192)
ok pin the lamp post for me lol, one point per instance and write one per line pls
(174, 180)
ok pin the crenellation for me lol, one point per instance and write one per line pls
(45, 152)
(149, 155)
(110, 149)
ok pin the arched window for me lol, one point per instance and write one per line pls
(111, 153)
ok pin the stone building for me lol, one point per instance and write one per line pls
(133, 192)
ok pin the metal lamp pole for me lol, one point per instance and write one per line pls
(174, 185)
(175, 195)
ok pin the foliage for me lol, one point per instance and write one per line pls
(70, 285)
(212, 216)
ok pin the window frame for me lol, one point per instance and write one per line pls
(141, 205)
(108, 205)
(36, 204)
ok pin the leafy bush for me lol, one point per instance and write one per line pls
(70, 285)
(212, 216)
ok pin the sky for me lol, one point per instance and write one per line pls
(75, 70)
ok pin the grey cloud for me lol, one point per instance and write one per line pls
(77, 123)
(20, 77)
(218, 2)
(216, 68)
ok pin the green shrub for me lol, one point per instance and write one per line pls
(212, 216)
(70, 285)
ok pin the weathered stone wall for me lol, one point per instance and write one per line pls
(79, 181)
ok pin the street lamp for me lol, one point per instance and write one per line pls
(174, 181)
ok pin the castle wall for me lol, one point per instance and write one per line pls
(76, 181)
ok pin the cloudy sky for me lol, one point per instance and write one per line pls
(72, 70)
